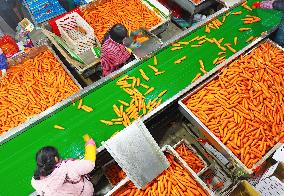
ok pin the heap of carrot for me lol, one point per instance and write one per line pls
(114, 173)
(133, 14)
(136, 88)
(32, 87)
(243, 107)
(173, 181)
(190, 158)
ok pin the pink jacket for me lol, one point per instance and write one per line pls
(113, 55)
(67, 179)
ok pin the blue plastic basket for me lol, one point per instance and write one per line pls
(44, 10)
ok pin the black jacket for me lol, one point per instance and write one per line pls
(278, 5)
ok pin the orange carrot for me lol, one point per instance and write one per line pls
(114, 173)
(40, 82)
(247, 114)
(190, 158)
(173, 181)
(132, 15)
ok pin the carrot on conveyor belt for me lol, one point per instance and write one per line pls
(201, 42)
(80, 104)
(196, 77)
(114, 173)
(107, 122)
(155, 60)
(221, 40)
(144, 76)
(159, 73)
(195, 46)
(207, 29)
(176, 44)
(250, 39)
(247, 7)
(218, 44)
(183, 43)
(214, 24)
(58, 127)
(31, 87)
(244, 29)
(176, 48)
(153, 68)
(173, 181)
(190, 158)
(209, 40)
(162, 93)
(180, 60)
(149, 91)
(202, 68)
(201, 64)
(243, 107)
(130, 111)
(194, 39)
(219, 60)
(145, 86)
(133, 15)
(230, 48)
(224, 18)
(251, 19)
(201, 38)
(87, 108)
(237, 13)
(235, 40)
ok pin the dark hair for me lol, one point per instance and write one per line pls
(117, 33)
(45, 160)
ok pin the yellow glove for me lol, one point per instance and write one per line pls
(129, 50)
(90, 148)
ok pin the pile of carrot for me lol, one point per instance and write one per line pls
(173, 181)
(32, 87)
(193, 161)
(127, 112)
(133, 15)
(244, 107)
(137, 89)
(114, 173)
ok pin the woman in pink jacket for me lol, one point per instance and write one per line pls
(55, 177)
(114, 54)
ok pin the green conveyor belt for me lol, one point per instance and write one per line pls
(17, 156)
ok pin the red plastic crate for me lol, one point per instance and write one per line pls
(52, 22)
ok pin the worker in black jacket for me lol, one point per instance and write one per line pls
(278, 5)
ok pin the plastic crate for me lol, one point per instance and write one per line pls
(37, 5)
(53, 24)
(76, 32)
(43, 10)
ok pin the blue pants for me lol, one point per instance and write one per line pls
(279, 36)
